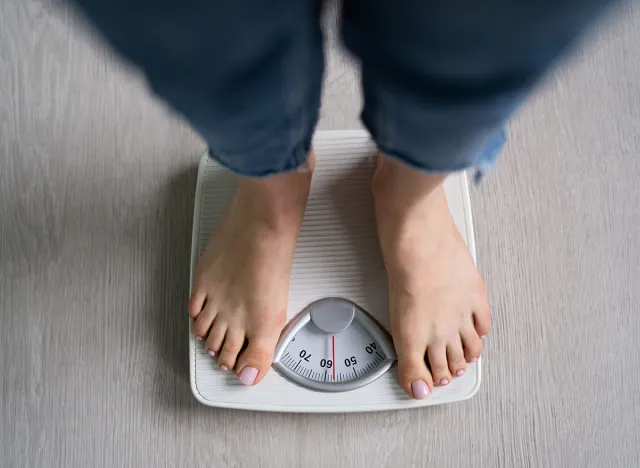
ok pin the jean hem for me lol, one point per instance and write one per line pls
(482, 162)
(298, 158)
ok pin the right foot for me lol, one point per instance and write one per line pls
(241, 283)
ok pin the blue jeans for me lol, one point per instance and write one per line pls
(440, 77)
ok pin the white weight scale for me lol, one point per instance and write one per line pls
(335, 354)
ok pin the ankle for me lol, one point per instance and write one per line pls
(397, 184)
(277, 201)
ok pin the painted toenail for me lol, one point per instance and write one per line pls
(419, 389)
(224, 368)
(199, 338)
(473, 359)
(248, 375)
(444, 381)
(211, 352)
(460, 372)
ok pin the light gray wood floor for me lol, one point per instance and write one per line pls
(96, 190)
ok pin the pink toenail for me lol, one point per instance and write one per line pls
(420, 389)
(460, 372)
(473, 359)
(224, 368)
(211, 352)
(444, 381)
(248, 375)
(199, 338)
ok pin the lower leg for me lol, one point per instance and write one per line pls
(438, 301)
(440, 80)
(254, 99)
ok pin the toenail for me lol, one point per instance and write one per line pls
(248, 375)
(473, 359)
(211, 352)
(420, 389)
(460, 372)
(199, 338)
(444, 381)
(224, 368)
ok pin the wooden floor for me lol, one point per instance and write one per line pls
(96, 194)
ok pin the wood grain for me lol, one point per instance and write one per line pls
(96, 193)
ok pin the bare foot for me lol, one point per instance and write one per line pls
(241, 283)
(438, 301)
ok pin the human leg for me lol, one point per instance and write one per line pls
(440, 80)
(247, 75)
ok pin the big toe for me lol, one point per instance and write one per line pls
(255, 360)
(414, 376)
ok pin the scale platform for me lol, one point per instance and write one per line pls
(337, 259)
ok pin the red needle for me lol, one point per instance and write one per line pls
(333, 356)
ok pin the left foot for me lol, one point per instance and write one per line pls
(438, 301)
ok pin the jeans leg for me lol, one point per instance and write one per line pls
(441, 77)
(246, 74)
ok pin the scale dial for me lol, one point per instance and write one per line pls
(333, 345)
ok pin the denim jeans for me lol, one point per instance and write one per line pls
(440, 77)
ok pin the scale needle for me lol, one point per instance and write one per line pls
(333, 356)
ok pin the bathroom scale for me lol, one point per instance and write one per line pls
(335, 354)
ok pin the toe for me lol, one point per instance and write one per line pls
(482, 321)
(254, 362)
(196, 303)
(202, 324)
(414, 376)
(455, 357)
(216, 336)
(233, 342)
(472, 344)
(437, 355)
